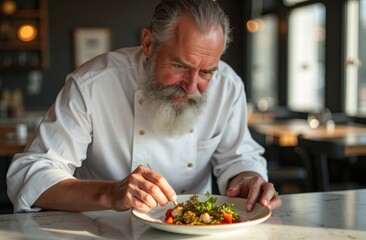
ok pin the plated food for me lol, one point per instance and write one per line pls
(156, 217)
(202, 212)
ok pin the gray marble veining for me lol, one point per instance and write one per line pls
(327, 215)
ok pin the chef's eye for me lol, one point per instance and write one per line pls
(206, 74)
(179, 67)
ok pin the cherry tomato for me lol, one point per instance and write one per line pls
(169, 220)
(168, 213)
(228, 218)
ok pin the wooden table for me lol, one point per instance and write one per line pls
(345, 140)
(9, 144)
(321, 216)
(10, 147)
(285, 133)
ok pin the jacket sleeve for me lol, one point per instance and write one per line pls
(55, 151)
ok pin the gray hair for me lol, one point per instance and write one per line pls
(205, 13)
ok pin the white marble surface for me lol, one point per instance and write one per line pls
(329, 215)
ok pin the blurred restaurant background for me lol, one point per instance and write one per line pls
(301, 62)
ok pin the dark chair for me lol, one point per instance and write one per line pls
(5, 204)
(318, 152)
(288, 175)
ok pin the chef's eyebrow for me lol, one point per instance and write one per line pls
(184, 63)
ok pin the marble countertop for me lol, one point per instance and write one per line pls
(326, 215)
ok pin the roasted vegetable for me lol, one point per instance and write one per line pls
(198, 212)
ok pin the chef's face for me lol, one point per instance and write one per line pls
(179, 73)
(189, 59)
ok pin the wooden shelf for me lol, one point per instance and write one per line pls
(27, 13)
(19, 45)
(11, 48)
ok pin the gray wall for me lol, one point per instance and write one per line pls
(124, 18)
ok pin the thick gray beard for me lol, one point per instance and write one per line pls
(169, 117)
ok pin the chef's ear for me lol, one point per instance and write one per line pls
(147, 42)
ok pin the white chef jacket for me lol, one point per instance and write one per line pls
(97, 129)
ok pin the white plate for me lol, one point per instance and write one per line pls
(155, 217)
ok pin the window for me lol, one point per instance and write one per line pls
(263, 48)
(306, 74)
(355, 71)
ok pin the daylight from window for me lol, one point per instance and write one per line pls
(355, 85)
(306, 74)
(264, 65)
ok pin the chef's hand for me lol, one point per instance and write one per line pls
(252, 186)
(143, 189)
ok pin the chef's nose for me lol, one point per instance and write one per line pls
(190, 82)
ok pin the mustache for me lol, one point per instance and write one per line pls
(170, 92)
(176, 91)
